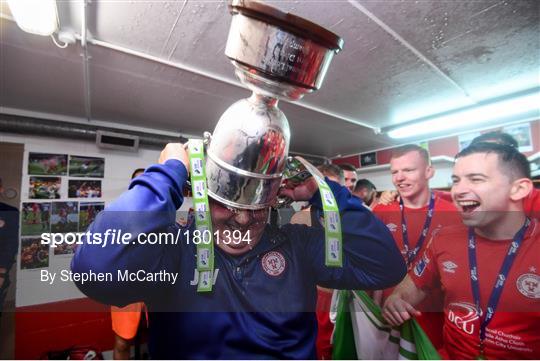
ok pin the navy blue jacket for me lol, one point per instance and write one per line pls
(251, 313)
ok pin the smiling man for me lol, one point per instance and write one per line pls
(488, 267)
(264, 287)
(414, 218)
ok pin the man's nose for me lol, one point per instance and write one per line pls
(242, 217)
(458, 190)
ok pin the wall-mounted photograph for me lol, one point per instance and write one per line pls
(64, 249)
(64, 217)
(86, 167)
(34, 254)
(87, 214)
(44, 187)
(47, 164)
(84, 188)
(35, 218)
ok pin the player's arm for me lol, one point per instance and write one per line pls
(149, 206)
(371, 259)
(399, 306)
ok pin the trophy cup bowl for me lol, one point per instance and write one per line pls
(277, 56)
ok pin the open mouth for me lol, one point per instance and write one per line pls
(468, 206)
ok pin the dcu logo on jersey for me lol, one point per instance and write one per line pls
(273, 263)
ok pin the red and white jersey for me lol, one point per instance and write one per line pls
(444, 214)
(514, 331)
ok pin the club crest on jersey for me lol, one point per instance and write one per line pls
(529, 285)
(273, 263)
(391, 227)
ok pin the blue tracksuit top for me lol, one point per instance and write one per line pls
(251, 313)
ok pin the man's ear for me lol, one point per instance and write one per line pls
(430, 172)
(520, 189)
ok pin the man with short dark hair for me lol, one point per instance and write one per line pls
(332, 171)
(366, 191)
(487, 267)
(349, 172)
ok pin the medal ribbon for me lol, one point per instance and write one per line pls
(499, 282)
(333, 239)
(411, 254)
(203, 221)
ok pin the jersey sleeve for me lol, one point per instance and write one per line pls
(371, 259)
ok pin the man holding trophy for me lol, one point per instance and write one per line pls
(246, 289)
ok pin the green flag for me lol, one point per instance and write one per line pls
(362, 333)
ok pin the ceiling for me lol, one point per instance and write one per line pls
(160, 65)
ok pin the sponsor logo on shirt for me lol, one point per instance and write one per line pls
(463, 315)
(529, 285)
(391, 227)
(449, 266)
(420, 267)
(195, 280)
(273, 263)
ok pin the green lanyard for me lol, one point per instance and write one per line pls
(333, 240)
(203, 221)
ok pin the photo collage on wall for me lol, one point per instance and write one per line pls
(50, 208)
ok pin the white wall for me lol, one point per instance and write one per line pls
(118, 168)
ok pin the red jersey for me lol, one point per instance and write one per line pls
(325, 325)
(514, 331)
(444, 214)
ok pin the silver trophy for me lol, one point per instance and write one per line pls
(278, 56)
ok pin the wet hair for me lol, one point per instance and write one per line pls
(331, 170)
(496, 137)
(364, 183)
(138, 170)
(347, 166)
(511, 160)
(407, 148)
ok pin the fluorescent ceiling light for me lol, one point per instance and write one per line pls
(471, 116)
(35, 16)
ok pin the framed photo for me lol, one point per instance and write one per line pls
(44, 187)
(87, 214)
(47, 164)
(64, 249)
(522, 133)
(84, 188)
(34, 254)
(368, 159)
(86, 167)
(64, 217)
(35, 218)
